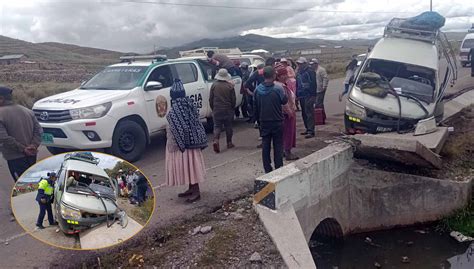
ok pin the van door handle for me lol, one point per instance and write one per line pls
(201, 89)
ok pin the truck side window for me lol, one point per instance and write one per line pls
(187, 72)
(162, 74)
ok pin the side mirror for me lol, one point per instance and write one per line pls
(153, 85)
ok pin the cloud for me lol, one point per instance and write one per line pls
(129, 26)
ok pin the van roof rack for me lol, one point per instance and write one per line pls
(400, 28)
(82, 156)
(154, 58)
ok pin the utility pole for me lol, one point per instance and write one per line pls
(431, 5)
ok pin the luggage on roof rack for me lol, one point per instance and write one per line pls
(424, 27)
(397, 27)
(82, 156)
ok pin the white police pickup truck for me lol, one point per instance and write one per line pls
(121, 107)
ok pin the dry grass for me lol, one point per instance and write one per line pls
(27, 94)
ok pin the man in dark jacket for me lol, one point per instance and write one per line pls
(222, 61)
(306, 92)
(268, 102)
(142, 187)
(44, 197)
(255, 79)
(222, 100)
(20, 134)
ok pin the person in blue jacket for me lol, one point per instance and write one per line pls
(45, 198)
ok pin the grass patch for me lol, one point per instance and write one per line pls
(461, 221)
(26, 94)
(142, 213)
(218, 247)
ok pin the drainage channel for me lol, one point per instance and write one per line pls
(410, 247)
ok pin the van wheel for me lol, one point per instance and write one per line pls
(129, 141)
(209, 125)
(55, 150)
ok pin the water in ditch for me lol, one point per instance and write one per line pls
(413, 247)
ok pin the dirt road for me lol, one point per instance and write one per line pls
(229, 175)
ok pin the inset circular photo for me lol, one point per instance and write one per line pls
(83, 200)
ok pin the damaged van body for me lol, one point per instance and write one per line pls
(85, 196)
(401, 81)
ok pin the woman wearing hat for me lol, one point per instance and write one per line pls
(186, 138)
(289, 111)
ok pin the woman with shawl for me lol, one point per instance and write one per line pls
(289, 111)
(186, 138)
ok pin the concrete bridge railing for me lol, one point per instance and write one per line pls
(328, 194)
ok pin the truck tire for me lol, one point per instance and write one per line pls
(56, 151)
(129, 141)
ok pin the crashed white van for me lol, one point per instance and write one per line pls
(84, 195)
(401, 81)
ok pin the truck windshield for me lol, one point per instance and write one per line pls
(116, 78)
(413, 80)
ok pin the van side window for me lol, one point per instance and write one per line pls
(187, 72)
(162, 74)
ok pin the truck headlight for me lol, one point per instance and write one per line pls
(355, 110)
(70, 213)
(91, 112)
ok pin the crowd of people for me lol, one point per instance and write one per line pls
(132, 184)
(272, 95)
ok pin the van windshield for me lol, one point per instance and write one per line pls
(413, 80)
(81, 183)
(116, 78)
(468, 44)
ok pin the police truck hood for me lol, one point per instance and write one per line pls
(79, 98)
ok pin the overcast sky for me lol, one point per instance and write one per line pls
(41, 168)
(139, 25)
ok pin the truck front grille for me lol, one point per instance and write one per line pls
(52, 115)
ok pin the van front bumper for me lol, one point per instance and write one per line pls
(74, 134)
(376, 125)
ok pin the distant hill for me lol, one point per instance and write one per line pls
(57, 52)
(252, 41)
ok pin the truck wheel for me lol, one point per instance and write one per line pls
(129, 141)
(209, 125)
(55, 150)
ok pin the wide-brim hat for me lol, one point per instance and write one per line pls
(223, 75)
(301, 60)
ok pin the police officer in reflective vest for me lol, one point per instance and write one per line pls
(45, 199)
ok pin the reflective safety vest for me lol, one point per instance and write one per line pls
(44, 185)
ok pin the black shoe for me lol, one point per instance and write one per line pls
(309, 136)
(304, 133)
(41, 227)
(187, 193)
(194, 198)
(54, 224)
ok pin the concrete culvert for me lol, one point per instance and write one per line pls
(328, 230)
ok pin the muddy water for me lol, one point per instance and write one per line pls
(422, 246)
